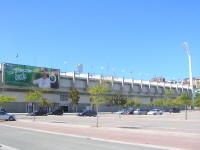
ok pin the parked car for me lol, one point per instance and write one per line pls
(39, 113)
(123, 111)
(166, 109)
(129, 112)
(3, 109)
(174, 110)
(139, 111)
(56, 112)
(155, 112)
(7, 117)
(89, 113)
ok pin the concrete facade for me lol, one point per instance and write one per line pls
(145, 91)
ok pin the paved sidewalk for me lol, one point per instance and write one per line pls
(160, 137)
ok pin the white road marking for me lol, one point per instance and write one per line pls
(97, 139)
(5, 147)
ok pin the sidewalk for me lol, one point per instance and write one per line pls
(158, 137)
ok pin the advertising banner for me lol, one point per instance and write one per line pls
(27, 76)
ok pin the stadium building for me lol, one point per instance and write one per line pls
(18, 80)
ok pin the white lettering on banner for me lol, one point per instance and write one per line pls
(20, 77)
(18, 70)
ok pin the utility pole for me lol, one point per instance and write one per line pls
(190, 70)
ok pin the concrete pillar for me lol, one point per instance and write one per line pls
(73, 79)
(88, 75)
(122, 84)
(150, 88)
(87, 84)
(149, 85)
(176, 89)
(112, 81)
(164, 87)
(132, 84)
(141, 86)
(156, 91)
(100, 79)
(182, 87)
(157, 86)
(188, 89)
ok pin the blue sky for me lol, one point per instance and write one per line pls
(122, 36)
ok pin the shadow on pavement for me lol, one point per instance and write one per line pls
(129, 127)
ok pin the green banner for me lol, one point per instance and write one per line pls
(23, 75)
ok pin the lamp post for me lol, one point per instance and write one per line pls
(190, 70)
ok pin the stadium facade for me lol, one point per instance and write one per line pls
(145, 91)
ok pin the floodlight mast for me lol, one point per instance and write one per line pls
(190, 70)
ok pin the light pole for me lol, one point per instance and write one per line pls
(190, 70)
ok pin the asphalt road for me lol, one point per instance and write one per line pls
(23, 139)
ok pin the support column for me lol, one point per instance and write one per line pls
(188, 89)
(141, 86)
(182, 87)
(176, 89)
(122, 84)
(132, 84)
(87, 82)
(112, 81)
(100, 79)
(73, 79)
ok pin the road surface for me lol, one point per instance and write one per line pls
(23, 139)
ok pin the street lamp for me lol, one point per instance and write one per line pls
(190, 70)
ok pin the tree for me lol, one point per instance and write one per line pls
(177, 103)
(74, 96)
(197, 101)
(137, 103)
(109, 101)
(150, 104)
(183, 100)
(167, 100)
(119, 99)
(6, 99)
(52, 105)
(98, 96)
(43, 102)
(158, 103)
(169, 93)
(33, 97)
(130, 102)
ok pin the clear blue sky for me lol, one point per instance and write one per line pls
(141, 36)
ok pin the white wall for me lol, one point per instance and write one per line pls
(80, 84)
(117, 86)
(65, 83)
(127, 88)
(84, 99)
(136, 88)
(153, 90)
(20, 95)
(145, 89)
